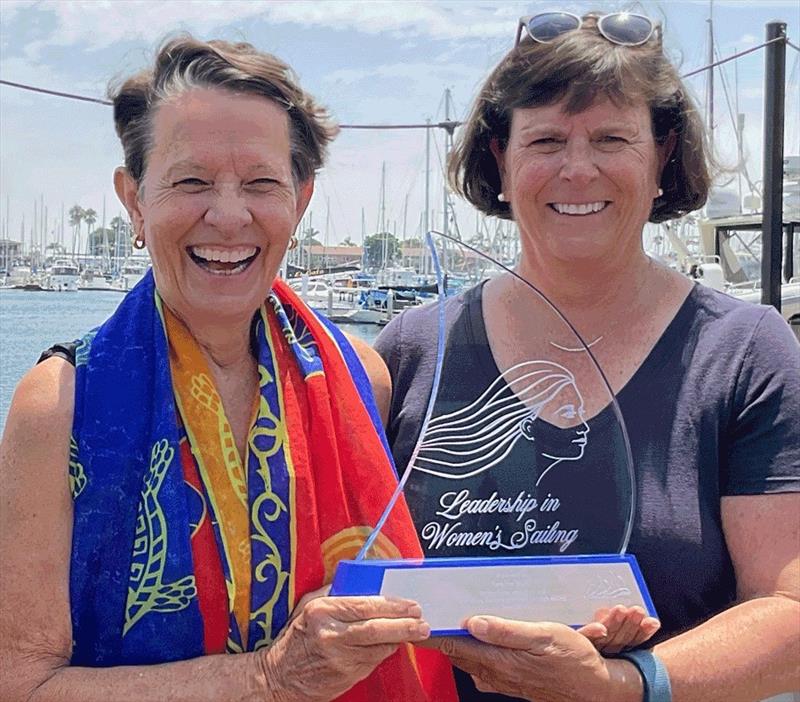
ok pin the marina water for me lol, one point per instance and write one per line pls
(30, 322)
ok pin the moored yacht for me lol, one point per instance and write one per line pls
(733, 264)
(63, 276)
(130, 273)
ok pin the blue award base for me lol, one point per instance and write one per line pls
(566, 589)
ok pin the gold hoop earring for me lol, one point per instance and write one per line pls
(137, 242)
(293, 242)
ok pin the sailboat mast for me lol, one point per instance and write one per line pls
(310, 229)
(739, 131)
(363, 239)
(426, 225)
(34, 231)
(446, 154)
(383, 197)
(405, 219)
(710, 21)
(326, 240)
(104, 258)
(382, 223)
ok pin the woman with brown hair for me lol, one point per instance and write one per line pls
(182, 482)
(582, 134)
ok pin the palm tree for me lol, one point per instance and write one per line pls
(75, 219)
(309, 237)
(90, 217)
(54, 250)
(122, 237)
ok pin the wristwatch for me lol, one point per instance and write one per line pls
(654, 675)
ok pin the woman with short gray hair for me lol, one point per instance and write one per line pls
(181, 482)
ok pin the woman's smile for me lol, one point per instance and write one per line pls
(579, 209)
(223, 261)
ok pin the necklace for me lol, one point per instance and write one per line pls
(580, 348)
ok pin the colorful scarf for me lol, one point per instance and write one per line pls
(182, 547)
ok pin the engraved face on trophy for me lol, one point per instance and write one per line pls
(473, 439)
(562, 406)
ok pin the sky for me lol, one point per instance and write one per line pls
(370, 62)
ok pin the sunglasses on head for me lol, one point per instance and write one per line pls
(622, 28)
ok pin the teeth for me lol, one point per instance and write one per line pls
(228, 271)
(209, 253)
(578, 209)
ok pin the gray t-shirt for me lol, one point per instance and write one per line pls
(712, 411)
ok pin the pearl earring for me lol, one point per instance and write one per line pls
(660, 192)
(501, 197)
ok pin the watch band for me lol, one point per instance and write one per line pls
(654, 675)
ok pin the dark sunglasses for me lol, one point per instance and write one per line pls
(622, 28)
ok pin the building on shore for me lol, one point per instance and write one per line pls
(316, 256)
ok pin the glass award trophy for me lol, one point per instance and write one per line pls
(520, 484)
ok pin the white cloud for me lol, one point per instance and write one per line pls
(10, 8)
(102, 23)
(431, 74)
(392, 93)
(741, 43)
(440, 20)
